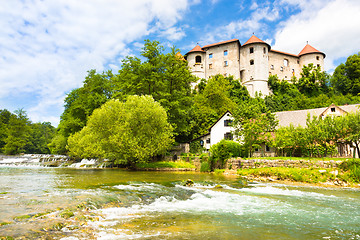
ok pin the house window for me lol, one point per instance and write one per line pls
(251, 50)
(210, 66)
(198, 59)
(208, 141)
(225, 52)
(210, 55)
(227, 122)
(267, 148)
(251, 62)
(281, 68)
(317, 58)
(228, 136)
(226, 63)
(333, 109)
(256, 149)
(286, 62)
(272, 67)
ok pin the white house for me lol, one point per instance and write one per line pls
(221, 129)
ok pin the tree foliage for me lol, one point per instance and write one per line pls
(125, 132)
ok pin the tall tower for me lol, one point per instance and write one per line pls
(196, 61)
(254, 65)
(311, 55)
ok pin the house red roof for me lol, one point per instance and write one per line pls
(197, 48)
(223, 42)
(309, 49)
(254, 39)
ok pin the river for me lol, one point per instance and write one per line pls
(70, 204)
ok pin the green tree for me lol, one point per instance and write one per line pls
(5, 116)
(18, 133)
(41, 135)
(346, 77)
(352, 126)
(125, 132)
(313, 81)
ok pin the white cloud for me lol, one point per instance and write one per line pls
(330, 26)
(47, 46)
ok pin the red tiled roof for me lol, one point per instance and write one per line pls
(309, 49)
(254, 39)
(197, 48)
(290, 54)
(219, 43)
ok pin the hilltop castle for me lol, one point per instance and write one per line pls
(251, 62)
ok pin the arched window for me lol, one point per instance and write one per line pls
(198, 59)
(251, 62)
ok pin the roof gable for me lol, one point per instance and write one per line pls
(220, 43)
(255, 39)
(220, 119)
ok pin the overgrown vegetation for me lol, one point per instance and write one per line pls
(164, 164)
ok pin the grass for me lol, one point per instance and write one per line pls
(164, 164)
(301, 158)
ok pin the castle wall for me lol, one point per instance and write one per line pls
(217, 64)
(279, 67)
(316, 58)
(197, 69)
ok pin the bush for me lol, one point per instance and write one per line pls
(353, 167)
(205, 167)
(222, 151)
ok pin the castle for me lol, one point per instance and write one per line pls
(253, 62)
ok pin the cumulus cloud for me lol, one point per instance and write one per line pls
(47, 46)
(330, 26)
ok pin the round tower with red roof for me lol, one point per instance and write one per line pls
(311, 55)
(196, 61)
(254, 62)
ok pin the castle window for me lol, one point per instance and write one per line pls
(225, 74)
(317, 58)
(251, 50)
(298, 61)
(318, 65)
(332, 109)
(286, 62)
(210, 66)
(272, 67)
(281, 68)
(251, 62)
(226, 63)
(225, 52)
(264, 50)
(210, 55)
(198, 59)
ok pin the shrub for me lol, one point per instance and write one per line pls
(222, 151)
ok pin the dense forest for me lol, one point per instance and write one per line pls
(166, 78)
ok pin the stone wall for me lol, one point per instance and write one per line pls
(236, 163)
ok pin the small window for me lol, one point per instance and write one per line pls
(198, 59)
(293, 70)
(267, 148)
(256, 149)
(225, 74)
(332, 109)
(225, 52)
(210, 66)
(226, 63)
(285, 77)
(272, 67)
(208, 140)
(298, 62)
(317, 58)
(210, 55)
(264, 50)
(228, 136)
(318, 65)
(251, 50)
(281, 68)
(227, 122)
(251, 62)
(286, 62)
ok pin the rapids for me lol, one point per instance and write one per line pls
(70, 204)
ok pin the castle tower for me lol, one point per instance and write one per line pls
(311, 55)
(254, 64)
(196, 61)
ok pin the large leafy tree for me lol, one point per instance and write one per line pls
(5, 117)
(18, 133)
(346, 77)
(125, 132)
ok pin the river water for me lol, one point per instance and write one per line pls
(70, 204)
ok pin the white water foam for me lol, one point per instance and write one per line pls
(83, 163)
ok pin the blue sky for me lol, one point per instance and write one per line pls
(47, 46)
